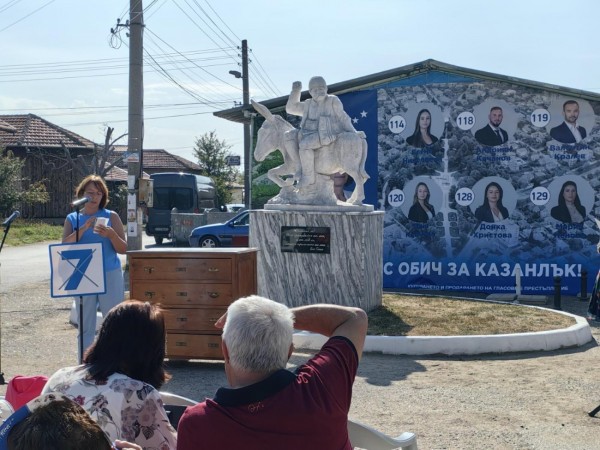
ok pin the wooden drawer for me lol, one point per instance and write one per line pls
(193, 320)
(190, 346)
(211, 269)
(183, 294)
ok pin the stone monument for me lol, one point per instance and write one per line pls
(314, 247)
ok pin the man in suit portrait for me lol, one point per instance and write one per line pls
(492, 134)
(569, 132)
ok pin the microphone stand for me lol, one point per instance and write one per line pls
(77, 210)
(6, 225)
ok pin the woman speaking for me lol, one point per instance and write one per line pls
(96, 224)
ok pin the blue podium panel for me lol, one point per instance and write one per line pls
(76, 269)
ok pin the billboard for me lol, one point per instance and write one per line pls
(482, 179)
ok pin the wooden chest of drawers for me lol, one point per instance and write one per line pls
(194, 287)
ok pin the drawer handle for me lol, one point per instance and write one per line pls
(149, 294)
(212, 345)
(181, 319)
(180, 344)
(181, 294)
(213, 269)
(213, 294)
(149, 269)
(180, 269)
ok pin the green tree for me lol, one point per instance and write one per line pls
(212, 156)
(12, 191)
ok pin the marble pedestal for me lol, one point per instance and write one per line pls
(351, 274)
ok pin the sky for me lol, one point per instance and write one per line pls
(60, 61)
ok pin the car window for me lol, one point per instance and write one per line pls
(168, 198)
(243, 220)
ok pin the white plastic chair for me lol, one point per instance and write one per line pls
(175, 406)
(169, 398)
(363, 436)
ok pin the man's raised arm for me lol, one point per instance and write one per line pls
(333, 320)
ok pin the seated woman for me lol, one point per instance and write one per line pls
(122, 372)
(569, 208)
(421, 210)
(492, 209)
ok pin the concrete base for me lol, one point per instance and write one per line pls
(349, 275)
(573, 336)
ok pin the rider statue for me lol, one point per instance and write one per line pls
(323, 119)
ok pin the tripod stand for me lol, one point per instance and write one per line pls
(6, 224)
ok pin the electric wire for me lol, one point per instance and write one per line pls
(26, 16)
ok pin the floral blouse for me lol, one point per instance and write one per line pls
(125, 408)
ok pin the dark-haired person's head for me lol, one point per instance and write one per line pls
(131, 341)
(571, 111)
(494, 193)
(495, 116)
(568, 194)
(57, 424)
(423, 122)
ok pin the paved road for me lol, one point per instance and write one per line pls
(31, 263)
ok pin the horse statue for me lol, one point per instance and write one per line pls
(347, 153)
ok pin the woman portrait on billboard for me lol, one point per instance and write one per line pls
(421, 210)
(422, 136)
(569, 208)
(492, 209)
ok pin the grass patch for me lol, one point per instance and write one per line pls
(24, 231)
(406, 315)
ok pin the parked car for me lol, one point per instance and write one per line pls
(233, 233)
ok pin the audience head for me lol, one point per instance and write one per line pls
(131, 342)
(54, 422)
(258, 334)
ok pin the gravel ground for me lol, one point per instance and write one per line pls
(536, 400)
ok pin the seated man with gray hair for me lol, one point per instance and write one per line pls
(268, 407)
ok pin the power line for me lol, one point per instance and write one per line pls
(8, 5)
(212, 9)
(25, 17)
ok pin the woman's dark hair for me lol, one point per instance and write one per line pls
(501, 192)
(100, 185)
(132, 342)
(417, 136)
(561, 196)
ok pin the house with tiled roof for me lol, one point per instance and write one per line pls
(158, 160)
(47, 150)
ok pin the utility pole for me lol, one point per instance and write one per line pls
(247, 137)
(136, 124)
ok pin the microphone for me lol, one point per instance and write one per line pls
(12, 217)
(79, 203)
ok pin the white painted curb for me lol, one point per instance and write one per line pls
(574, 336)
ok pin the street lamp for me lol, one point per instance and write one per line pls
(245, 103)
